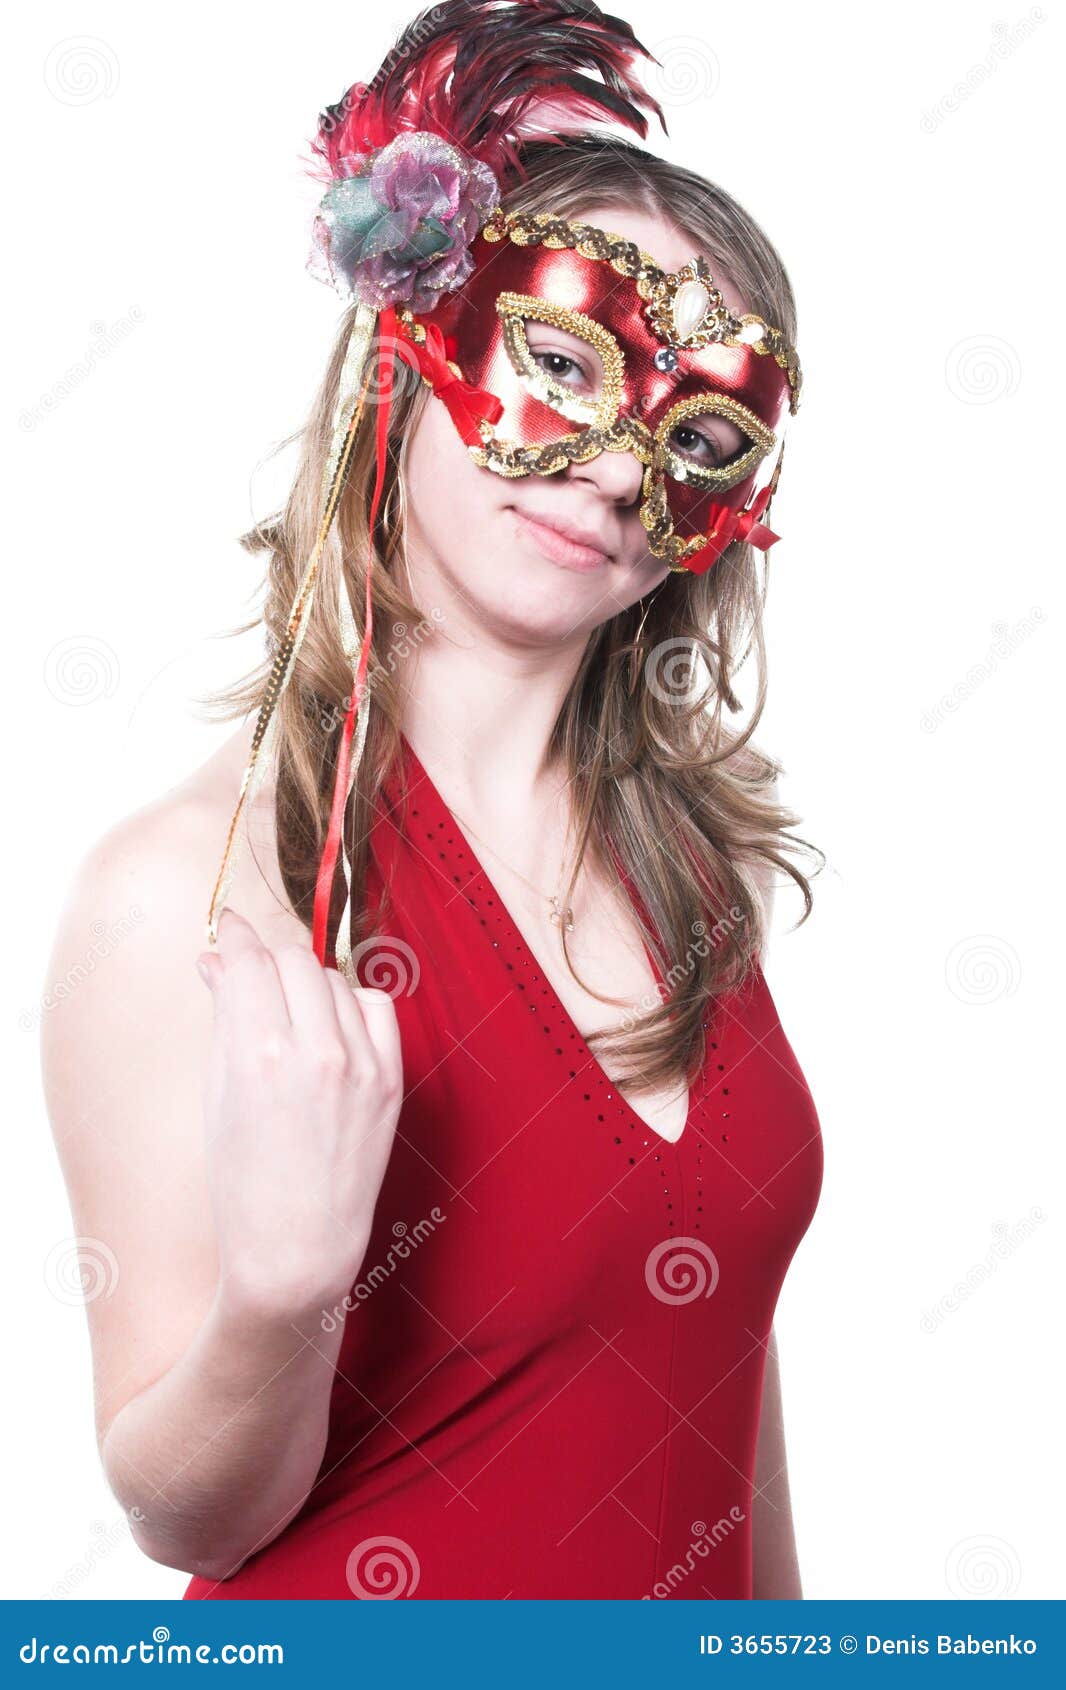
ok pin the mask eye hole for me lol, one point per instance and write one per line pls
(712, 440)
(569, 362)
(566, 359)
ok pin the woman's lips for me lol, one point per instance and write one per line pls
(571, 554)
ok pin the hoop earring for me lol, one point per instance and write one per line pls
(640, 627)
(636, 656)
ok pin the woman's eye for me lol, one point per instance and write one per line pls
(561, 368)
(701, 447)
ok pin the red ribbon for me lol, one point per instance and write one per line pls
(465, 404)
(725, 525)
(328, 864)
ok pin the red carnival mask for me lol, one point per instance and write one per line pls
(662, 365)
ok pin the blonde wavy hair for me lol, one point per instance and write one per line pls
(655, 771)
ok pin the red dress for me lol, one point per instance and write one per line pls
(550, 1375)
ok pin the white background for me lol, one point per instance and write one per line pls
(157, 220)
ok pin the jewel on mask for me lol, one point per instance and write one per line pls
(666, 359)
(685, 308)
(691, 304)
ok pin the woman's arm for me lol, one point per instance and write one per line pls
(216, 1457)
(212, 1372)
(776, 1572)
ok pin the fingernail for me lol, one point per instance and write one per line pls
(203, 971)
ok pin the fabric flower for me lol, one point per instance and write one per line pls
(396, 228)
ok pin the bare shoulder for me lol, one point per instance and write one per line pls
(146, 883)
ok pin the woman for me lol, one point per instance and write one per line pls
(450, 1219)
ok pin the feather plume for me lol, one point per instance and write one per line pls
(489, 75)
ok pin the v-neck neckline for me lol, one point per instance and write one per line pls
(415, 765)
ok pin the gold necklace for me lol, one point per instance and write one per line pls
(561, 916)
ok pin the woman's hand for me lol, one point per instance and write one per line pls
(303, 1092)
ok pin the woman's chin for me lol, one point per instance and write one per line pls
(529, 609)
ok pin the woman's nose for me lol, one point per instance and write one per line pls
(617, 476)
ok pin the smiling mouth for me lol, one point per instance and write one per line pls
(558, 547)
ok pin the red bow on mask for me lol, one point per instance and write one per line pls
(465, 404)
(725, 525)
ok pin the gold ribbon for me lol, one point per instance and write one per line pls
(351, 396)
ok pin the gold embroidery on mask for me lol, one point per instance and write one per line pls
(507, 457)
(515, 310)
(658, 523)
(721, 476)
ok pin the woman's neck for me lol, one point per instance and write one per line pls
(482, 719)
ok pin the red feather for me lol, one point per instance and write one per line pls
(489, 75)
